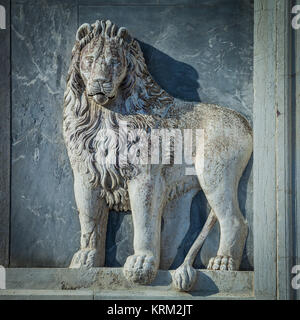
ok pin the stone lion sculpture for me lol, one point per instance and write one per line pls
(112, 106)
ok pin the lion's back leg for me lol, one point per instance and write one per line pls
(219, 168)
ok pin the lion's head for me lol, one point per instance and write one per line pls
(103, 63)
(108, 62)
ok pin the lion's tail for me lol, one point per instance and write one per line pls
(210, 222)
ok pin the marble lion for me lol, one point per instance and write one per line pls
(108, 84)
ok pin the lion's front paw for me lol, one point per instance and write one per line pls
(86, 258)
(221, 263)
(141, 269)
(184, 277)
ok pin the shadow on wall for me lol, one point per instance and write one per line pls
(178, 78)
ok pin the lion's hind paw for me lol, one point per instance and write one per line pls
(221, 263)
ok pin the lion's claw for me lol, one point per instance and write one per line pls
(140, 269)
(221, 263)
(85, 258)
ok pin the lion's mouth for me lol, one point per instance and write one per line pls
(101, 98)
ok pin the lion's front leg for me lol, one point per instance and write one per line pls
(93, 215)
(146, 193)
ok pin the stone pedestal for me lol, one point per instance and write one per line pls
(109, 283)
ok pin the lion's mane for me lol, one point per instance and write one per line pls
(88, 126)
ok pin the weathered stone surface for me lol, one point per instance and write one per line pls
(195, 54)
(5, 137)
(117, 2)
(114, 295)
(203, 3)
(208, 282)
(45, 229)
(152, 295)
(46, 295)
(119, 238)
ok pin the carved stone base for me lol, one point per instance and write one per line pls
(110, 283)
(111, 295)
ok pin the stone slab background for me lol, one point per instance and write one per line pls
(196, 50)
(5, 111)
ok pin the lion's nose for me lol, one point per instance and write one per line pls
(107, 87)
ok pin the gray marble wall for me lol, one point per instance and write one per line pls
(5, 135)
(197, 50)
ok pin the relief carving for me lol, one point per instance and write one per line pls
(114, 116)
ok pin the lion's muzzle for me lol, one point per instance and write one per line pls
(102, 94)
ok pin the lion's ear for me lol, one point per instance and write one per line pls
(83, 31)
(124, 35)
